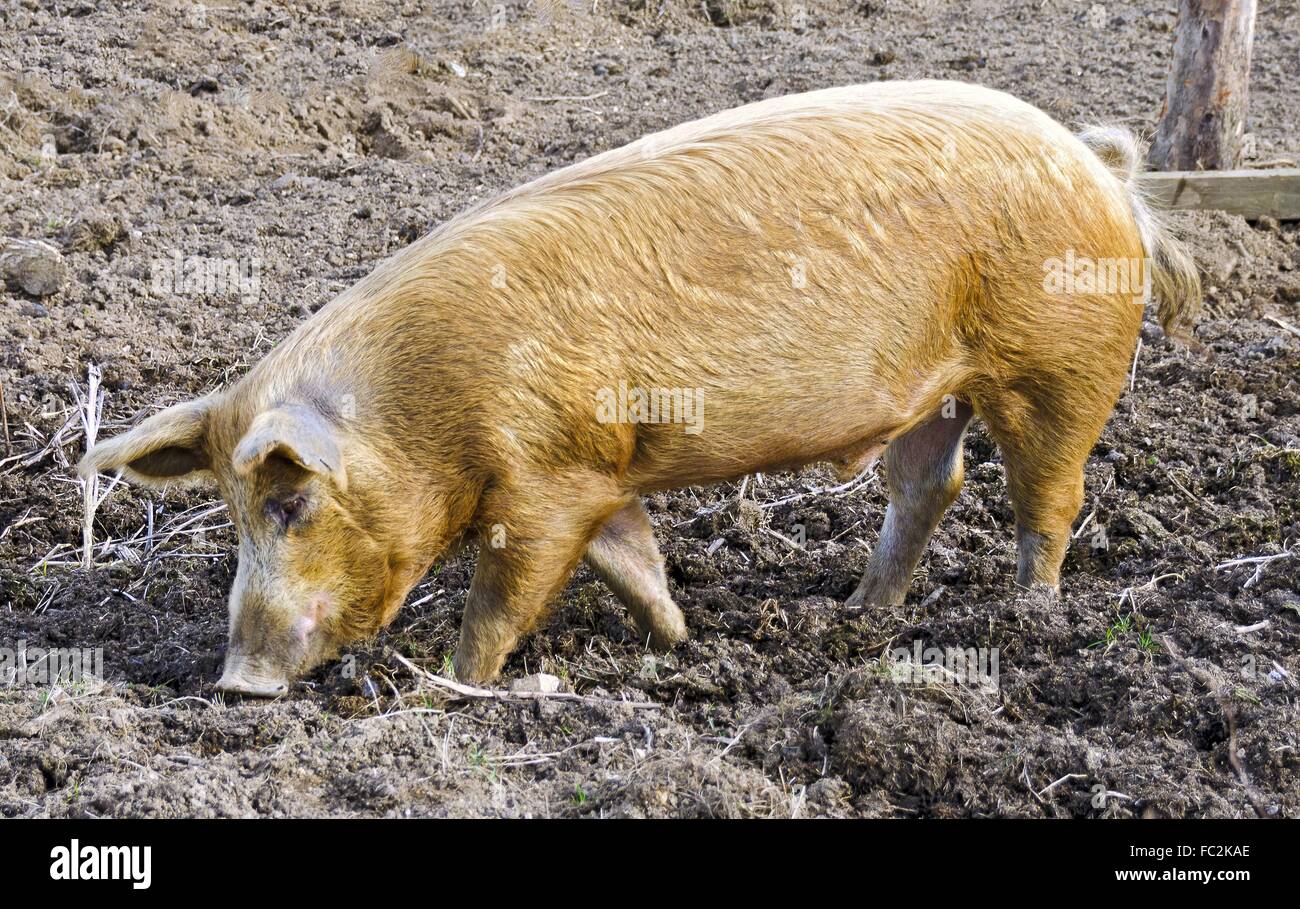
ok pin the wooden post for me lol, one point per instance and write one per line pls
(1204, 116)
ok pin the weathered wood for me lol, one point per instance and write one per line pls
(1204, 117)
(1251, 193)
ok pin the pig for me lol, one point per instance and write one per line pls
(834, 276)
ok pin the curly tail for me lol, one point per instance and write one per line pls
(1174, 277)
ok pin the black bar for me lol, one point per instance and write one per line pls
(306, 857)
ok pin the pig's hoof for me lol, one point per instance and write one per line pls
(667, 639)
(471, 675)
(1038, 592)
(665, 634)
(870, 595)
(664, 627)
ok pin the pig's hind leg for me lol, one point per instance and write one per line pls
(1044, 450)
(625, 556)
(924, 472)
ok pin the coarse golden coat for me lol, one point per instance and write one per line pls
(824, 276)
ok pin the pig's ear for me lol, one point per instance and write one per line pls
(296, 432)
(170, 445)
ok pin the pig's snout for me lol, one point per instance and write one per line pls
(247, 675)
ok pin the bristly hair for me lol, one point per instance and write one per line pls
(1174, 276)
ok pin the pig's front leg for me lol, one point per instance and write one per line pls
(625, 556)
(531, 538)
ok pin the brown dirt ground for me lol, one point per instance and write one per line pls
(321, 136)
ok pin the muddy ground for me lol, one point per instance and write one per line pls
(319, 137)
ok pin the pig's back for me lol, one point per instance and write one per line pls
(822, 265)
(881, 112)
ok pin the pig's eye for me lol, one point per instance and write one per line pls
(285, 512)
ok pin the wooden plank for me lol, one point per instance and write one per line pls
(1251, 193)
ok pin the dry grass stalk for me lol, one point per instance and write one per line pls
(457, 689)
(4, 419)
(1260, 563)
(90, 409)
